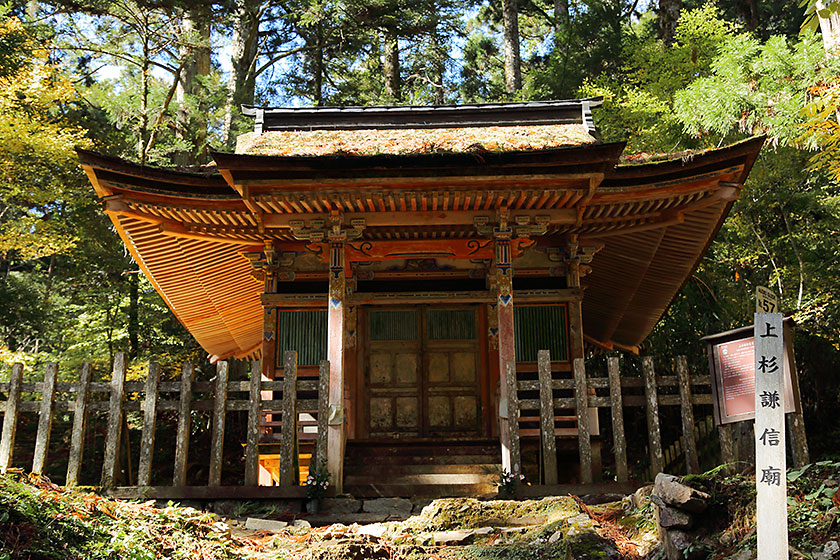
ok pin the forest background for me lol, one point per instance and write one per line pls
(161, 82)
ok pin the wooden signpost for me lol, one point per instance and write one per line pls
(770, 463)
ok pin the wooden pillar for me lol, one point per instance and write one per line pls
(323, 414)
(45, 417)
(507, 347)
(726, 433)
(335, 356)
(581, 405)
(549, 443)
(10, 416)
(77, 439)
(147, 437)
(115, 421)
(692, 462)
(616, 406)
(182, 438)
(657, 461)
(288, 431)
(253, 431)
(217, 437)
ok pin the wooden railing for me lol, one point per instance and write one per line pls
(588, 392)
(151, 396)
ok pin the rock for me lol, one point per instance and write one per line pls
(640, 497)
(393, 507)
(831, 549)
(674, 493)
(376, 530)
(673, 518)
(445, 537)
(743, 555)
(591, 546)
(301, 524)
(597, 499)
(579, 524)
(224, 507)
(340, 505)
(419, 503)
(678, 546)
(259, 524)
(321, 519)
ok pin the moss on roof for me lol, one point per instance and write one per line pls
(413, 141)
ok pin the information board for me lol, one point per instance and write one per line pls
(732, 367)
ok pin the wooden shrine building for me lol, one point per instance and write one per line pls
(424, 251)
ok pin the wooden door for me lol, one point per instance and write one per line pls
(422, 369)
(453, 394)
(394, 373)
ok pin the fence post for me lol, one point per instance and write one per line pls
(112, 439)
(7, 441)
(581, 405)
(323, 413)
(549, 444)
(652, 409)
(513, 417)
(182, 439)
(45, 416)
(218, 432)
(147, 437)
(692, 463)
(616, 408)
(252, 456)
(288, 430)
(77, 439)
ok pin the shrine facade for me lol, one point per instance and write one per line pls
(425, 252)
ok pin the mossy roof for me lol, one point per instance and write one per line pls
(413, 140)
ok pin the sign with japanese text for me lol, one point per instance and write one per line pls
(734, 369)
(770, 462)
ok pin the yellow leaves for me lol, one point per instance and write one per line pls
(823, 126)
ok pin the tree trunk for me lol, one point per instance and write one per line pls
(133, 319)
(392, 65)
(513, 61)
(318, 65)
(561, 17)
(194, 49)
(242, 80)
(438, 67)
(830, 27)
(749, 11)
(667, 17)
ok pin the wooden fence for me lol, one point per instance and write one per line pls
(179, 396)
(561, 405)
(586, 392)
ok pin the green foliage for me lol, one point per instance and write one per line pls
(638, 100)
(42, 521)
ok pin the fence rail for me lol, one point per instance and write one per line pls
(151, 397)
(557, 413)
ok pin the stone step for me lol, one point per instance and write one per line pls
(421, 490)
(392, 470)
(422, 460)
(421, 450)
(426, 478)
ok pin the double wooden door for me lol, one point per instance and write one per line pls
(422, 372)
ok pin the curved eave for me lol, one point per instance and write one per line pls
(653, 221)
(636, 275)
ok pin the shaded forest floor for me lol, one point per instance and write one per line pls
(39, 520)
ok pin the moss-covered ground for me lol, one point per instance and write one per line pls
(39, 520)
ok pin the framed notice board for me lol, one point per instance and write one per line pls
(732, 370)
